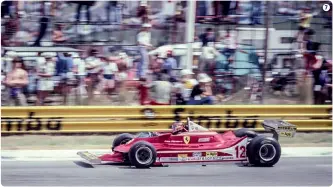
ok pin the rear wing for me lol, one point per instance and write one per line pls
(280, 128)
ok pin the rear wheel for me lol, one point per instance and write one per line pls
(263, 151)
(142, 154)
(122, 139)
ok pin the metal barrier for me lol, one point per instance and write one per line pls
(99, 119)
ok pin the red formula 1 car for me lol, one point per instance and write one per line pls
(196, 144)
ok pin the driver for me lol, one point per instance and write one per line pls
(178, 127)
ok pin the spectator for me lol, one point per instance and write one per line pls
(57, 35)
(202, 92)
(207, 58)
(113, 9)
(121, 82)
(225, 10)
(143, 11)
(206, 37)
(88, 5)
(304, 25)
(143, 89)
(161, 90)
(64, 72)
(156, 66)
(256, 13)
(11, 26)
(16, 80)
(124, 58)
(47, 11)
(79, 70)
(144, 42)
(6, 64)
(229, 41)
(320, 69)
(170, 64)
(184, 88)
(110, 70)
(93, 66)
(45, 83)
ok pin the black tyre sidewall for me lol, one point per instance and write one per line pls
(254, 147)
(116, 142)
(245, 132)
(133, 150)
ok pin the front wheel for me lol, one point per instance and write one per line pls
(142, 154)
(122, 139)
(245, 132)
(263, 151)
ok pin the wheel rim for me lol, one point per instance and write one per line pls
(267, 152)
(143, 155)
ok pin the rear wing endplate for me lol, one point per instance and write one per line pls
(280, 128)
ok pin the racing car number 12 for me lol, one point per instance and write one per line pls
(241, 150)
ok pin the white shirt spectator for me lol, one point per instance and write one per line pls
(80, 66)
(46, 83)
(209, 52)
(162, 91)
(144, 38)
(93, 61)
(110, 68)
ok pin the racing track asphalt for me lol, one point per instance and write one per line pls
(304, 171)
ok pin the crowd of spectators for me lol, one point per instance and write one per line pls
(97, 74)
(156, 79)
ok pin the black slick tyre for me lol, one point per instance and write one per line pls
(245, 132)
(142, 154)
(263, 151)
(122, 139)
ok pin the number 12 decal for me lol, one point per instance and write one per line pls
(241, 150)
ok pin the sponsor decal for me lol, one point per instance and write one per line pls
(187, 139)
(197, 154)
(193, 159)
(288, 134)
(203, 140)
(211, 154)
(168, 159)
(31, 123)
(173, 141)
(182, 157)
(209, 158)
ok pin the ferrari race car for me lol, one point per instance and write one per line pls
(197, 144)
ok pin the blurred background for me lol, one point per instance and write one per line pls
(143, 52)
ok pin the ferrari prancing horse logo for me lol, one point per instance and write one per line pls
(187, 139)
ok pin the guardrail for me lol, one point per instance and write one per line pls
(97, 119)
